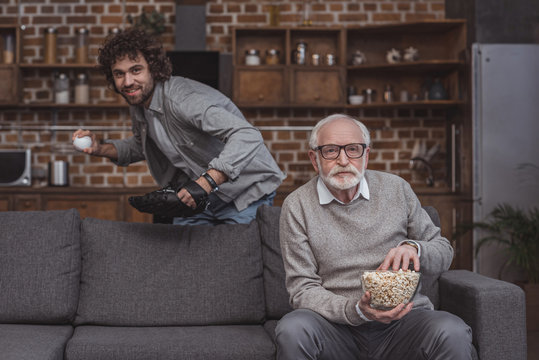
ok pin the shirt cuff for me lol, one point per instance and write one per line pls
(358, 310)
(410, 242)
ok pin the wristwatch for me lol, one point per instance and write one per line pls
(411, 243)
(209, 179)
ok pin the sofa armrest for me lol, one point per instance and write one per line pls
(494, 309)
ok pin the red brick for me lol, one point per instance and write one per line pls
(285, 146)
(251, 8)
(386, 17)
(387, 7)
(370, 7)
(352, 17)
(403, 7)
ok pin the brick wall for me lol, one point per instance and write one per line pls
(394, 132)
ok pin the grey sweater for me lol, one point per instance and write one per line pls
(325, 246)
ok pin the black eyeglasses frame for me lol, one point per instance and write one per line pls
(341, 147)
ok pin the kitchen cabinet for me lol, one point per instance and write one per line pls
(107, 204)
(453, 210)
(287, 82)
(18, 76)
(47, 73)
(9, 69)
(441, 56)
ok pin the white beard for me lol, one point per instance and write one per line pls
(339, 183)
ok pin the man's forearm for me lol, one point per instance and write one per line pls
(106, 150)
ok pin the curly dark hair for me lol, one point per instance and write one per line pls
(131, 42)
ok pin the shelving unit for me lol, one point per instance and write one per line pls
(16, 74)
(9, 73)
(441, 46)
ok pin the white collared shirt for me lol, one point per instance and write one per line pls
(325, 196)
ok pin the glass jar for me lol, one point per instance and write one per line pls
(388, 93)
(252, 57)
(61, 89)
(315, 59)
(331, 60)
(9, 49)
(49, 56)
(81, 56)
(299, 55)
(272, 57)
(82, 89)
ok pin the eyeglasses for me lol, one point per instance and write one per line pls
(331, 152)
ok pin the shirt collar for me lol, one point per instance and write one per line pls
(325, 196)
(156, 104)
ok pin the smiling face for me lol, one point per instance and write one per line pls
(343, 174)
(133, 80)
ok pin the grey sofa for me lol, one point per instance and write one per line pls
(94, 289)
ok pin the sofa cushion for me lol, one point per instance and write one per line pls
(39, 266)
(136, 274)
(33, 342)
(233, 342)
(277, 298)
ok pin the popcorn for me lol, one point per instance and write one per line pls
(390, 288)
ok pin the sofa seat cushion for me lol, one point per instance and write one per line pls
(33, 342)
(39, 266)
(233, 342)
(136, 274)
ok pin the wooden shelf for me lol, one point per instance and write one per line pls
(39, 66)
(416, 67)
(53, 106)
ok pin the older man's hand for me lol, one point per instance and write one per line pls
(400, 257)
(383, 316)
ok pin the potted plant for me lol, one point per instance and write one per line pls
(518, 233)
(152, 23)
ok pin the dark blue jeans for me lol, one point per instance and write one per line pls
(220, 212)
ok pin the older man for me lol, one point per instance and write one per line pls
(346, 219)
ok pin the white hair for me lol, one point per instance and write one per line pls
(313, 141)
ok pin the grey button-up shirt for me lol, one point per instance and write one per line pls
(208, 131)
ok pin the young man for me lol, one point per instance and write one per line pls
(345, 220)
(187, 132)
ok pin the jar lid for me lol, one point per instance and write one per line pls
(115, 30)
(62, 76)
(50, 30)
(81, 76)
(272, 52)
(252, 52)
(83, 31)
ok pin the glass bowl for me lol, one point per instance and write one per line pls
(389, 288)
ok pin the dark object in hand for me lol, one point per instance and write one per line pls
(165, 202)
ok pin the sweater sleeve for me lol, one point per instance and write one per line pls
(303, 283)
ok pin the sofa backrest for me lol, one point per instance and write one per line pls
(277, 298)
(39, 266)
(136, 274)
